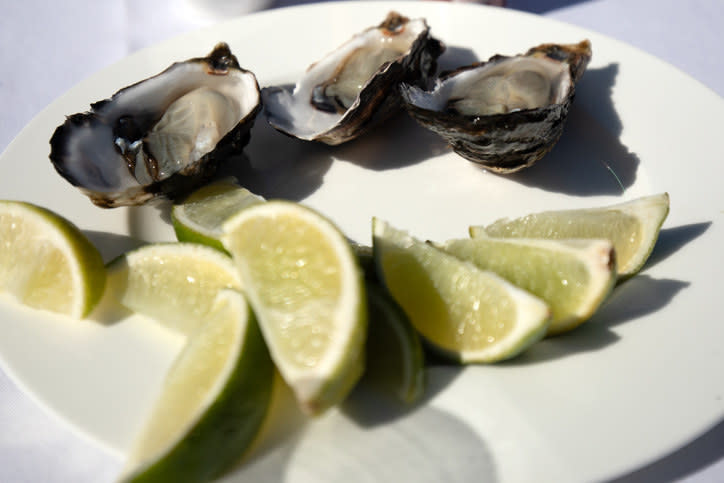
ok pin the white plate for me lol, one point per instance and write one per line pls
(639, 380)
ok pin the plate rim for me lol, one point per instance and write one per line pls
(291, 10)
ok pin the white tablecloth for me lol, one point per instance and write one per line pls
(49, 46)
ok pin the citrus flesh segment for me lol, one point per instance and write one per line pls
(46, 262)
(213, 401)
(395, 362)
(304, 283)
(632, 226)
(467, 313)
(573, 276)
(200, 216)
(174, 283)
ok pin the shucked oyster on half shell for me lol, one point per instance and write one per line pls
(505, 113)
(161, 136)
(356, 85)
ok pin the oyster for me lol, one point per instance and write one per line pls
(505, 113)
(161, 136)
(356, 85)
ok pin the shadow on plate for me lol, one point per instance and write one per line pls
(342, 446)
(639, 296)
(396, 143)
(589, 159)
(424, 444)
(284, 426)
(111, 245)
(370, 406)
(274, 165)
(702, 452)
(143, 225)
(672, 239)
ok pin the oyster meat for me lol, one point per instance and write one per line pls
(505, 113)
(356, 85)
(161, 136)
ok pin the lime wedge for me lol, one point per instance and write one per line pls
(200, 216)
(632, 226)
(395, 359)
(306, 288)
(573, 276)
(467, 313)
(366, 260)
(46, 262)
(174, 283)
(213, 402)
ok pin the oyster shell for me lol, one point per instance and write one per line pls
(161, 136)
(505, 113)
(355, 86)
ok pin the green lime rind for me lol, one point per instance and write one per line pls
(229, 426)
(467, 314)
(198, 218)
(394, 353)
(187, 234)
(633, 227)
(574, 277)
(366, 260)
(85, 255)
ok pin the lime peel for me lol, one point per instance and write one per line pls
(573, 276)
(214, 401)
(464, 312)
(633, 227)
(394, 354)
(47, 262)
(199, 217)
